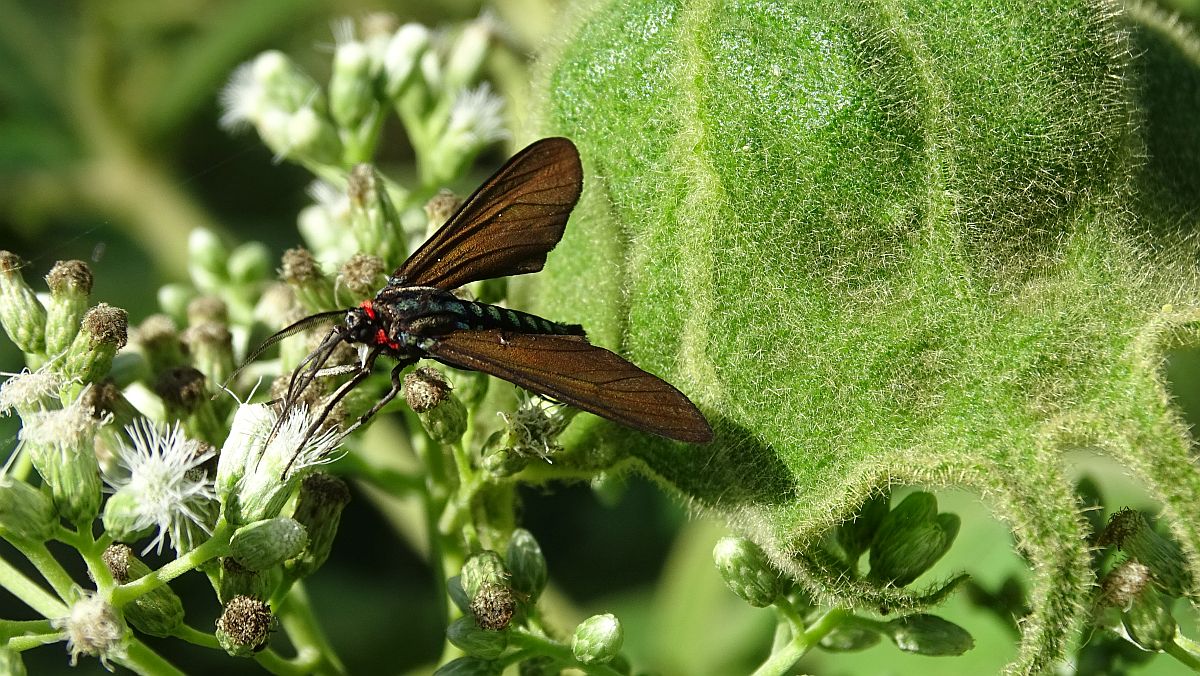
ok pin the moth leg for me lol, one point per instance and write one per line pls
(397, 385)
(338, 394)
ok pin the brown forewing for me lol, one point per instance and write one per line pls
(505, 227)
(575, 372)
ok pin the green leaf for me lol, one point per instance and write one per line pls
(889, 242)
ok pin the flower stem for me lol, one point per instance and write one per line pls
(194, 636)
(1185, 650)
(27, 641)
(29, 592)
(783, 661)
(560, 652)
(217, 545)
(49, 567)
(141, 659)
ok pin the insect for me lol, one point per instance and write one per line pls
(506, 227)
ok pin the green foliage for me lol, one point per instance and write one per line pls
(885, 242)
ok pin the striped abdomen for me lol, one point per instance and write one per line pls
(485, 316)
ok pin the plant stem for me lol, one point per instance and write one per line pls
(1185, 650)
(49, 567)
(140, 658)
(27, 641)
(313, 648)
(217, 545)
(558, 651)
(783, 661)
(194, 636)
(29, 592)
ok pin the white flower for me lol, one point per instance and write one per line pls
(27, 391)
(258, 471)
(167, 489)
(92, 628)
(534, 427)
(241, 99)
(475, 116)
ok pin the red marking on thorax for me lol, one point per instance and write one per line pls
(368, 308)
(381, 338)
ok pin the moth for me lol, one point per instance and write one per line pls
(506, 227)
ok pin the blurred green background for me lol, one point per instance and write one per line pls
(110, 153)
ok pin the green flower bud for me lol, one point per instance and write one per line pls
(319, 510)
(303, 274)
(363, 274)
(124, 518)
(929, 635)
(211, 346)
(203, 309)
(1123, 584)
(245, 626)
(159, 339)
(457, 594)
(404, 51)
(499, 461)
(207, 261)
(59, 443)
(10, 663)
(467, 55)
(855, 535)
(441, 413)
(104, 330)
(475, 641)
(267, 543)
(249, 263)
(1128, 530)
(911, 538)
(174, 298)
(284, 85)
(158, 612)
(105, 400)
(493, 606)
(747, 572)
(26, 514)
(21, 314)
(312, 138)
(1149, 623)
(352, 85)
(469, 666)
(70, 284)
(597, 639)
(847, 639)
(483, 568)
(235, 580)
(185, 397)
(440, 208)
(526, 564)
(373, 216)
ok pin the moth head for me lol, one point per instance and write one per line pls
(361, 325)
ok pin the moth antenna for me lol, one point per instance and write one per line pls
(290, 330)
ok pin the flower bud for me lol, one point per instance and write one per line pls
(441, 413)
(70, 284)
(1128, 530)
(249, 264)
(235, 580)
(363, 274)
(267, 543)
(319, 510)
(207, 261)
(440, 208)
(526, 564)
(59, 443)
(847, 639)
(1123, 584)
(373, 216)
(245, 626)
(158, 612)
(481, 569)
(312, 138)
(747, 572)
(211, 346)
(185, 397)
(467, 55)
(174, 298)
(284, 85)
(400, 60)
(911, 538)
(597, 639)
(469, 666)
(203, 309)
(474, 641)
(21, 314)
(501, 462)
(244, 444)
(26, 514)
(124, 518)
(303, 274)
(929, 635)
(29, 391)
(102, 333)
(855, 535)
(1148, 622)
(159, 339)
(351, 85)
